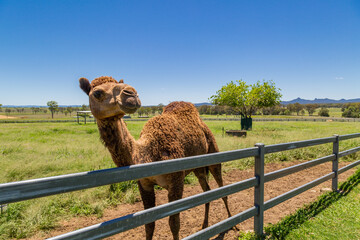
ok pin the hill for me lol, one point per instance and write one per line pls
(320, 100)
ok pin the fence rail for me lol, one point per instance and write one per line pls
(29, 189)
(304, 119)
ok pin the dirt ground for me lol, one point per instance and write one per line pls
(191, 220)
(6, 117)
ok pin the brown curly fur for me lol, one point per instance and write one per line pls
(178, 132)
(101, 80)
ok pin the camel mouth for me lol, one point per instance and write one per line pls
(129, 104)
(128, 110)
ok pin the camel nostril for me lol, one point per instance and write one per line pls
(128, 92)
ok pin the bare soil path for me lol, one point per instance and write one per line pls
(6, 117)
(191, 220)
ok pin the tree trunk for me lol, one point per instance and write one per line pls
(246, 123)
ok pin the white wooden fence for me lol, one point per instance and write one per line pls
(29, 189)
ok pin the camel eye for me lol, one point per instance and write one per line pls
(98, 94)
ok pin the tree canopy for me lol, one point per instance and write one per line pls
(311, 108)
(324, 112)
(247, 98)
(296, 107)
(53, 107)
(351, 110)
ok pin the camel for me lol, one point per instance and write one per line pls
(178, 132)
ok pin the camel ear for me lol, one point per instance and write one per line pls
(121, 81)
(85, 85)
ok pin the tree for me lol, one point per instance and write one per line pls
(311, 108)
(61, 109)
(160, 108)
(140, 111)
(204, 109)
(147, 111)
(324, 112)
(274, 110)
(69, 110)
(246, 99)
(228, 110)
(84, 107)
(290, 108)
(53, 107)
(351, 110)
(154, 110)
(8, 111)
(295, 107)
(35, 110)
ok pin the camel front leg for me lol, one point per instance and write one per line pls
(175, 192)
(148, 198)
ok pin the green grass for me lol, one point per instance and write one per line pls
(340, 219)
(333, 112)
(37, 150)
(335, 215)
(281, 132)
(29, 115)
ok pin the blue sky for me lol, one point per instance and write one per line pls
(177, 50)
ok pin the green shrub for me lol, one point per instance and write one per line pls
(351, 111)
(324, 112)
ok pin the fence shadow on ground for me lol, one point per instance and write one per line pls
(281, 229)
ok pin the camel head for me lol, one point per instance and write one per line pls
(110, 98)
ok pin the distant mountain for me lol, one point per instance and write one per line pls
(200, 104)
(320, 101)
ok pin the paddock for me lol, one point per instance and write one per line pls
(18, 191)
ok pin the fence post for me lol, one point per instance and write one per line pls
(259, 190)
(335, 163)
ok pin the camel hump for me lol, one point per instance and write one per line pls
(180, 107)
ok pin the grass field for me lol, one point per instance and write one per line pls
(334, 215)
(29, 115)
(38, 150)
(341, 220)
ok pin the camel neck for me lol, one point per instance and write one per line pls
(118, 140)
